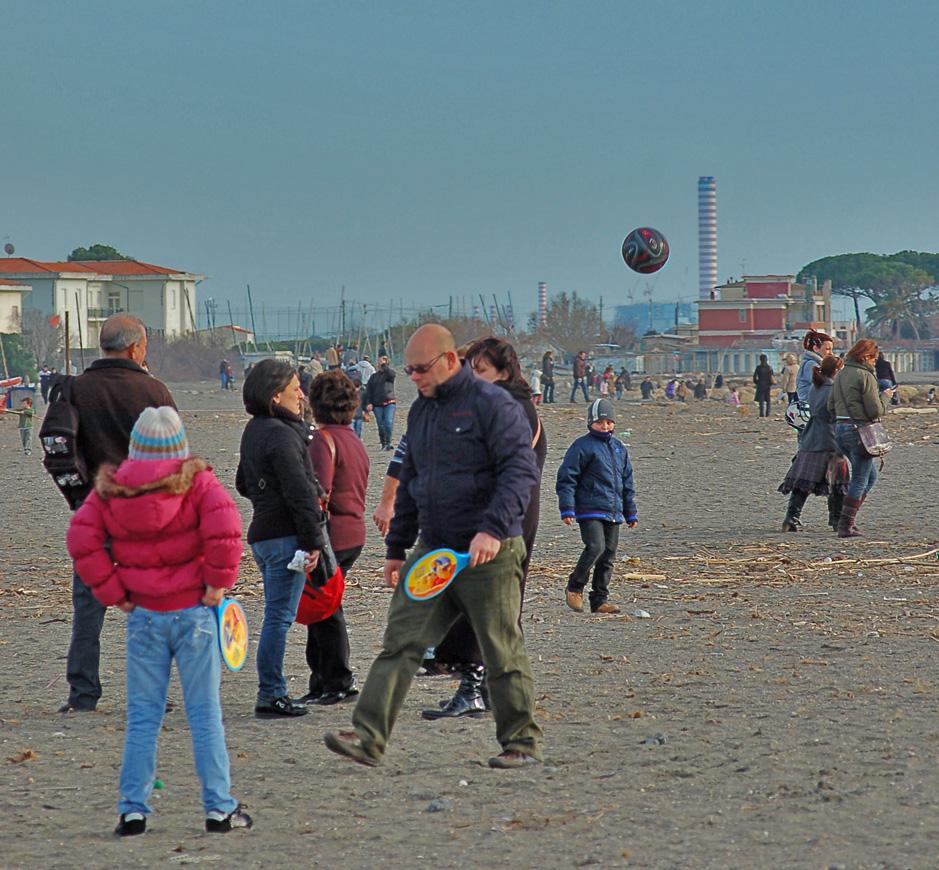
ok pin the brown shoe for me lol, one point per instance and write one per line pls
(575, 600)
(510, 760)
(606, 607)
(347, 743)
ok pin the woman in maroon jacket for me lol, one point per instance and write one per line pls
(341, 466)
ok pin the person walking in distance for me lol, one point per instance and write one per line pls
(109, 396)
(579, 375)
(547, 377)
(380, 400)
(465, 483)
(763, 379)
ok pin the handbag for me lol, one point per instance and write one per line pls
(325, 584)
(873, 436)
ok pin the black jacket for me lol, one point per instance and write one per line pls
(275, 471)
(380, 389)
(469, 467)
(547, 370)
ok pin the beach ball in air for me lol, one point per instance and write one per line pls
(645, 250)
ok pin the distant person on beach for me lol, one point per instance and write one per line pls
(733, 397)
(790, 376)
(332, 357)
(622, 384)
(886, 378)
(160, 538)
(595, 490)
(579, 375)
(700, 390)
(315, 365)
(547, 377)
(647, 388)
(110, 395)
(763, 379)
(380, 400)
(26, 413)
(45, 377)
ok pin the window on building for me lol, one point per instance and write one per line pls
(742, 314)
(114, 300)
(173, 298)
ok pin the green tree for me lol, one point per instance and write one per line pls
(97, 252)
(902, 290)
(18, 359)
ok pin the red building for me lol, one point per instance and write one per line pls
(759, 307)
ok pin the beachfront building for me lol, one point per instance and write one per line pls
(90, 291)
(11, 304)
(759, 307)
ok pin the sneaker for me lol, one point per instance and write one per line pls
(606, 607)
(279, 707)
(222, 823)
(130, 825)
(575, 600)
(308, 698)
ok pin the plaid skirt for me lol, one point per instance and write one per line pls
(817, 474)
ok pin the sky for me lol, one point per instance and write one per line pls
(413, 151)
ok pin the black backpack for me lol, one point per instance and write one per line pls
(58, 436)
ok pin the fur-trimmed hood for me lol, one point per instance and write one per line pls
(144, 495)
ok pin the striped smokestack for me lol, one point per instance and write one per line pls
(707, 236)
(542, 303)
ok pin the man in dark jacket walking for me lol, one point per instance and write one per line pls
(465, 483)
(579, 375)
(380, 399)
(109, 397)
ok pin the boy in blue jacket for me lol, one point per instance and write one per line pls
(595, 488)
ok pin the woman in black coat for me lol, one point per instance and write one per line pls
(493, 360)
(275, 471)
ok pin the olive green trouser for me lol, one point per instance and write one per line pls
(488, 596)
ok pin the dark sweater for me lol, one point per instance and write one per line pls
(109, 396)
(275, 471)
(346, 481)
(380, 389)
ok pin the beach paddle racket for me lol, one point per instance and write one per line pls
(433, 573)
(232, 633)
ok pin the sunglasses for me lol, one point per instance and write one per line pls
(423, 368)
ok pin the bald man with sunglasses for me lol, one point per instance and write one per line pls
(465, 483)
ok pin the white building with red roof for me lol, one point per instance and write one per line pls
(90, 291)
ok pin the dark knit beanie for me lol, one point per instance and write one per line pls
(600, 409)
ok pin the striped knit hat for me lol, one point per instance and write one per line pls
(600, 409)
(158, 434)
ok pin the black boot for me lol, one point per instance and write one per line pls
(793, 511)
(468, 700)
(834, 508)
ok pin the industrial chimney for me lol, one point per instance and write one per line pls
(707, 236)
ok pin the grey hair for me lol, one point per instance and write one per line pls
(120, 331)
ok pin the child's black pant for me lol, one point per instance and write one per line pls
(600, 541)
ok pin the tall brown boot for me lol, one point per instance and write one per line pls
(849, 509)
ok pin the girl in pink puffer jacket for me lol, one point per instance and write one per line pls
(160, 538)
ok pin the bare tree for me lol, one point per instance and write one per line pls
(572, 323)
(40, 337)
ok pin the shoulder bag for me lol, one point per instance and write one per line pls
(873, 436)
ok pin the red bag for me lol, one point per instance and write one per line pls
(320, 602)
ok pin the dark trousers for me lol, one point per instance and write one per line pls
(582, 383)
(547, 392)
(460, 647)
(600, 541)
(84, 652)
(327, 643)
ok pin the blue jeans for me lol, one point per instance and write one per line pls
(282, 590)
(582, 383)
(863, 467)
(154, 639)
(357, 426)
(385, 418)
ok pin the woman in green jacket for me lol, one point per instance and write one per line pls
(856, 399)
